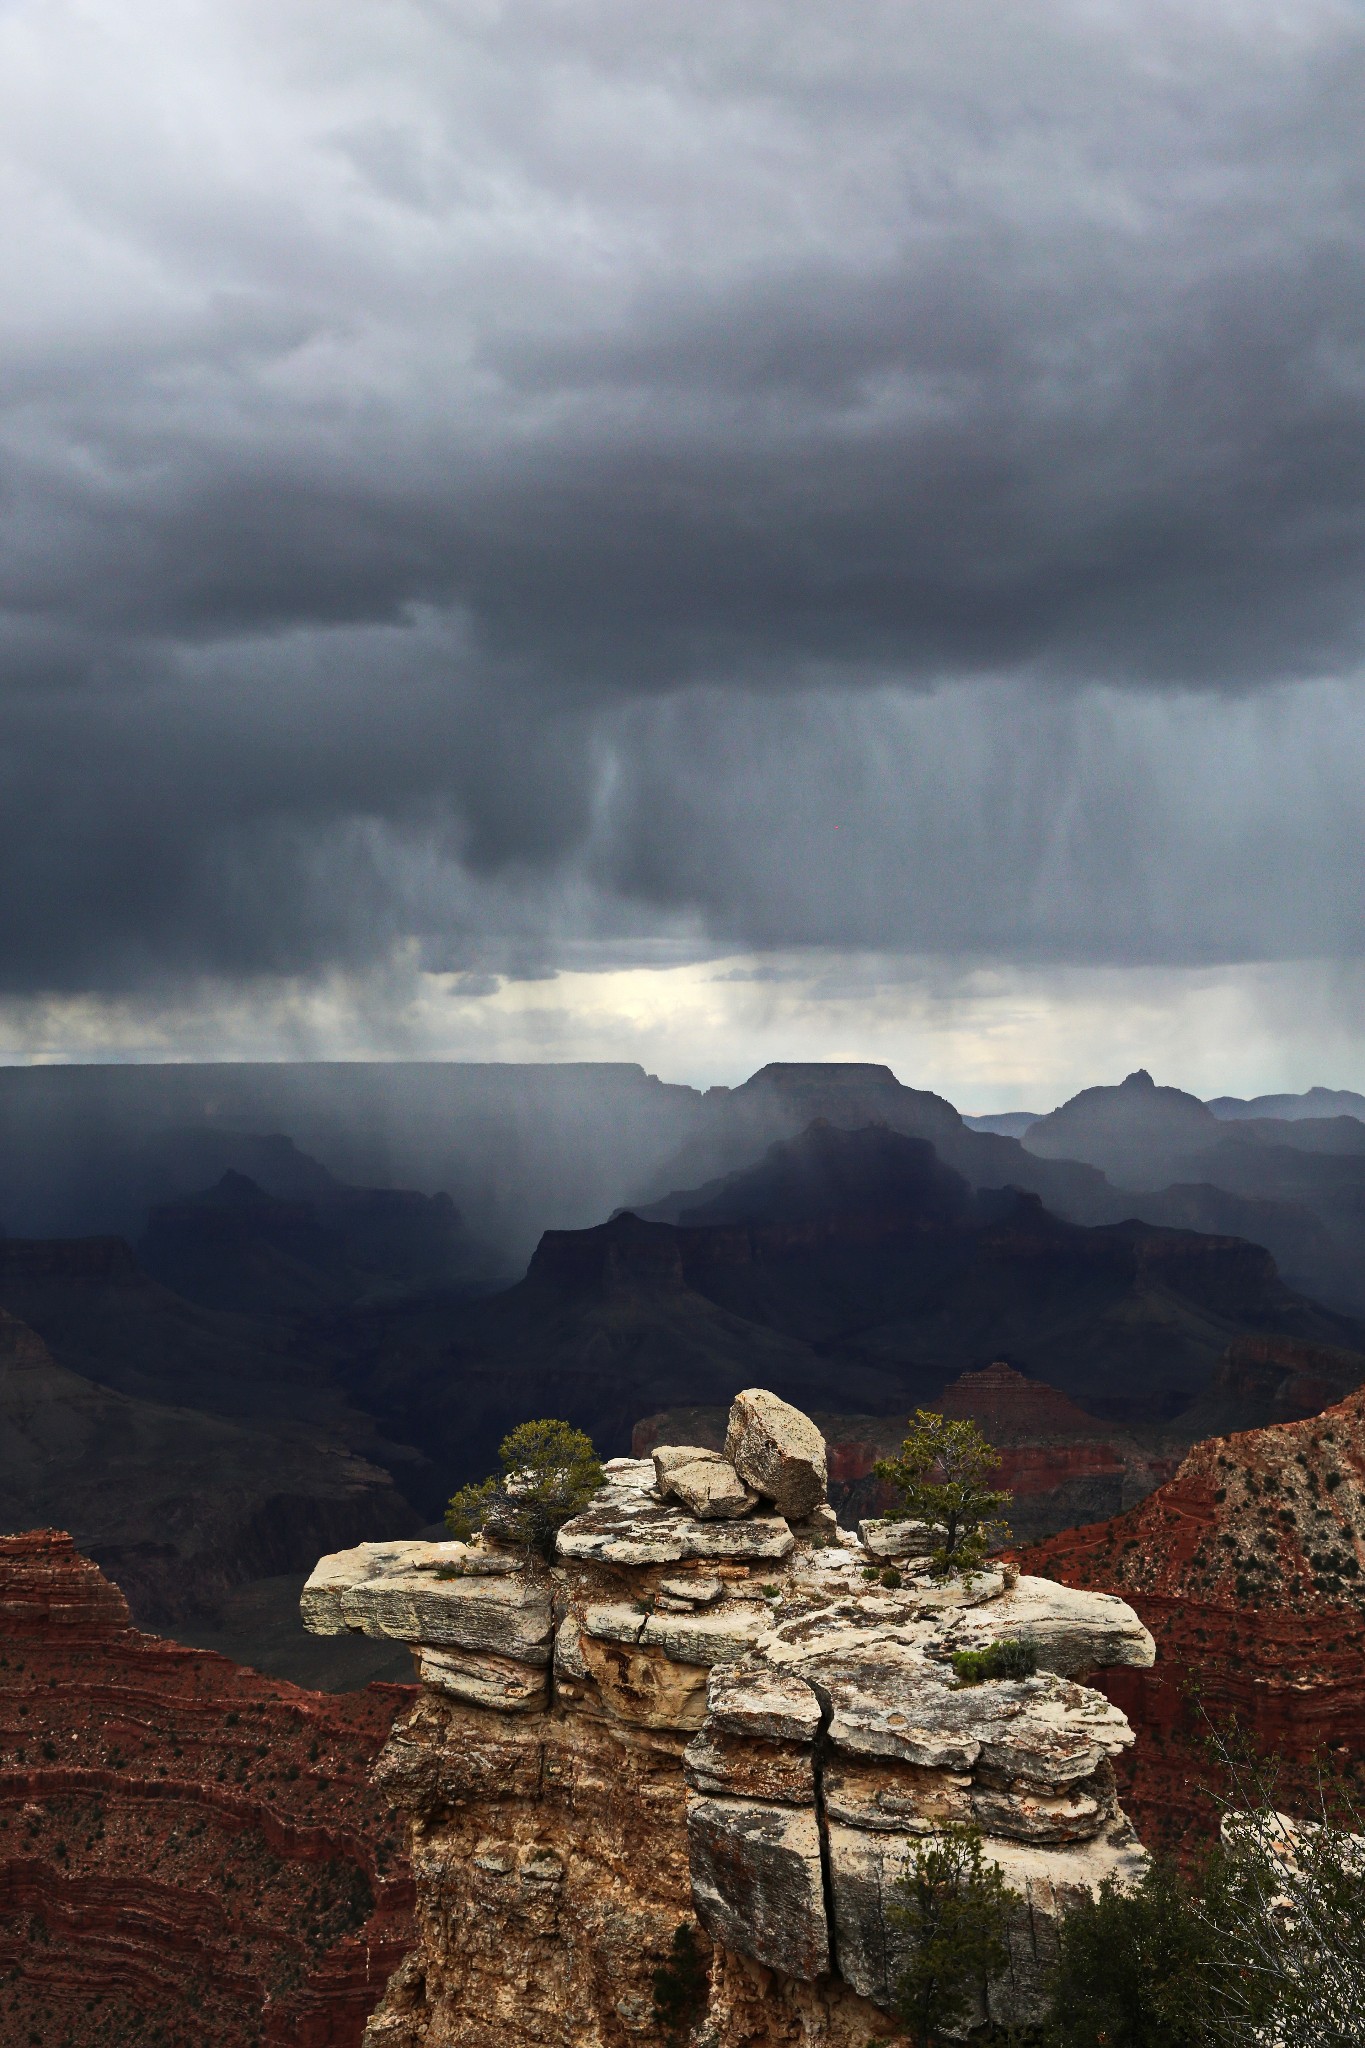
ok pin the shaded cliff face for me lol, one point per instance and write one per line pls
(1249, 1569)
(1293, 1182)
(180, 1506)
(851, 1268)
(188, 1851)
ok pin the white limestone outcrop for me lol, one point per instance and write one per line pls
(812, 1716)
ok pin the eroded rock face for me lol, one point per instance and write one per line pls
(1247, 1568)
(189, 1851)
(720, 1723)
(778, 1451)
(712, 1490)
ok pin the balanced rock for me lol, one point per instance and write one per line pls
(712, 1489)
(778, 1451)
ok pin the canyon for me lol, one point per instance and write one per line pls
(190, 1853)
(1248, 1567)
(716, 1728)
(849, 1264)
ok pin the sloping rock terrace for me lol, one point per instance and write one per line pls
(1249, 1568)
(727, 1714)
(189, 1852)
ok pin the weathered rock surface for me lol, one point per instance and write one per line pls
(1247, 1568)
(737, 1729)
(711, 1489)
(758, 1883)
(778, 1451)
(883, 1537)
(668, 1458)
(189, 1851)
(393, 1589)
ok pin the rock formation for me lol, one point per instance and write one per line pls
(1062, 1466)
(1249, 1568)
(850, 1268)
(733, 1721)
(188, 1851)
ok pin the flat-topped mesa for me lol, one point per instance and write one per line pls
(720, 1715)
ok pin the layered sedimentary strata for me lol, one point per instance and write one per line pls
(189, 1853)
(1249, 1569)
(742, 1726)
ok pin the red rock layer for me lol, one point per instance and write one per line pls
(190, 1853)
(1249, 1568)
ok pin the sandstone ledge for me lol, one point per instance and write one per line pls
(797, 1728)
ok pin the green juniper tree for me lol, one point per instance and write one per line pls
(550, 1472)
(941, 1475)
(1137, 1967)
(953, 1908)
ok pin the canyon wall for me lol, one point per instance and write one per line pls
(189, 1852)
(1249, 1569)
(670, 1779)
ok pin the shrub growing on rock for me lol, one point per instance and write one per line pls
(954, 1906)
(941, 1475)
(550, 1472)
(1137, 1968)
(1009, 1658)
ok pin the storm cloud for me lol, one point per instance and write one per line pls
(497, 477)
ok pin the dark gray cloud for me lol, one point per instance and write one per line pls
(492, 477)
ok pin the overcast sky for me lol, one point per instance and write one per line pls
(640, 490)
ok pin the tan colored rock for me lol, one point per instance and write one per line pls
(614, 1621)
(668, 1458)
(554, 1859)
(694, 1591)
(778, 1451)
(761, 1703)
(895, 1703)
(568, 1658)
(1021, 1811)
(626, 1527)
(1074, 1632)
(711, 1490)
(895, 1797)
(497, 1682)
(757, 1883)
(644, 1687)
(739, 1767)
(401, 1597)
(885, 1538)
(721, 1635)
(864, 1868)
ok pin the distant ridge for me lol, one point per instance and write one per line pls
(1292, 1108)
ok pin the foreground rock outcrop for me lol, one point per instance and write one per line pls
(189, 1852)
(1062, 1466)
(739, 1724)
(1249, 1568)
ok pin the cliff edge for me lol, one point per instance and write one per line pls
(710, 1709)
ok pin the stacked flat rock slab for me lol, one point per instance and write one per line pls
(794, 1726)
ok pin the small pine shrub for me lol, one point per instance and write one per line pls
(1009, 1658)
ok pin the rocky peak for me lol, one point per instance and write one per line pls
(752, 1720)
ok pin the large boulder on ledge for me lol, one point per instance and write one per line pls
(778, 1451)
